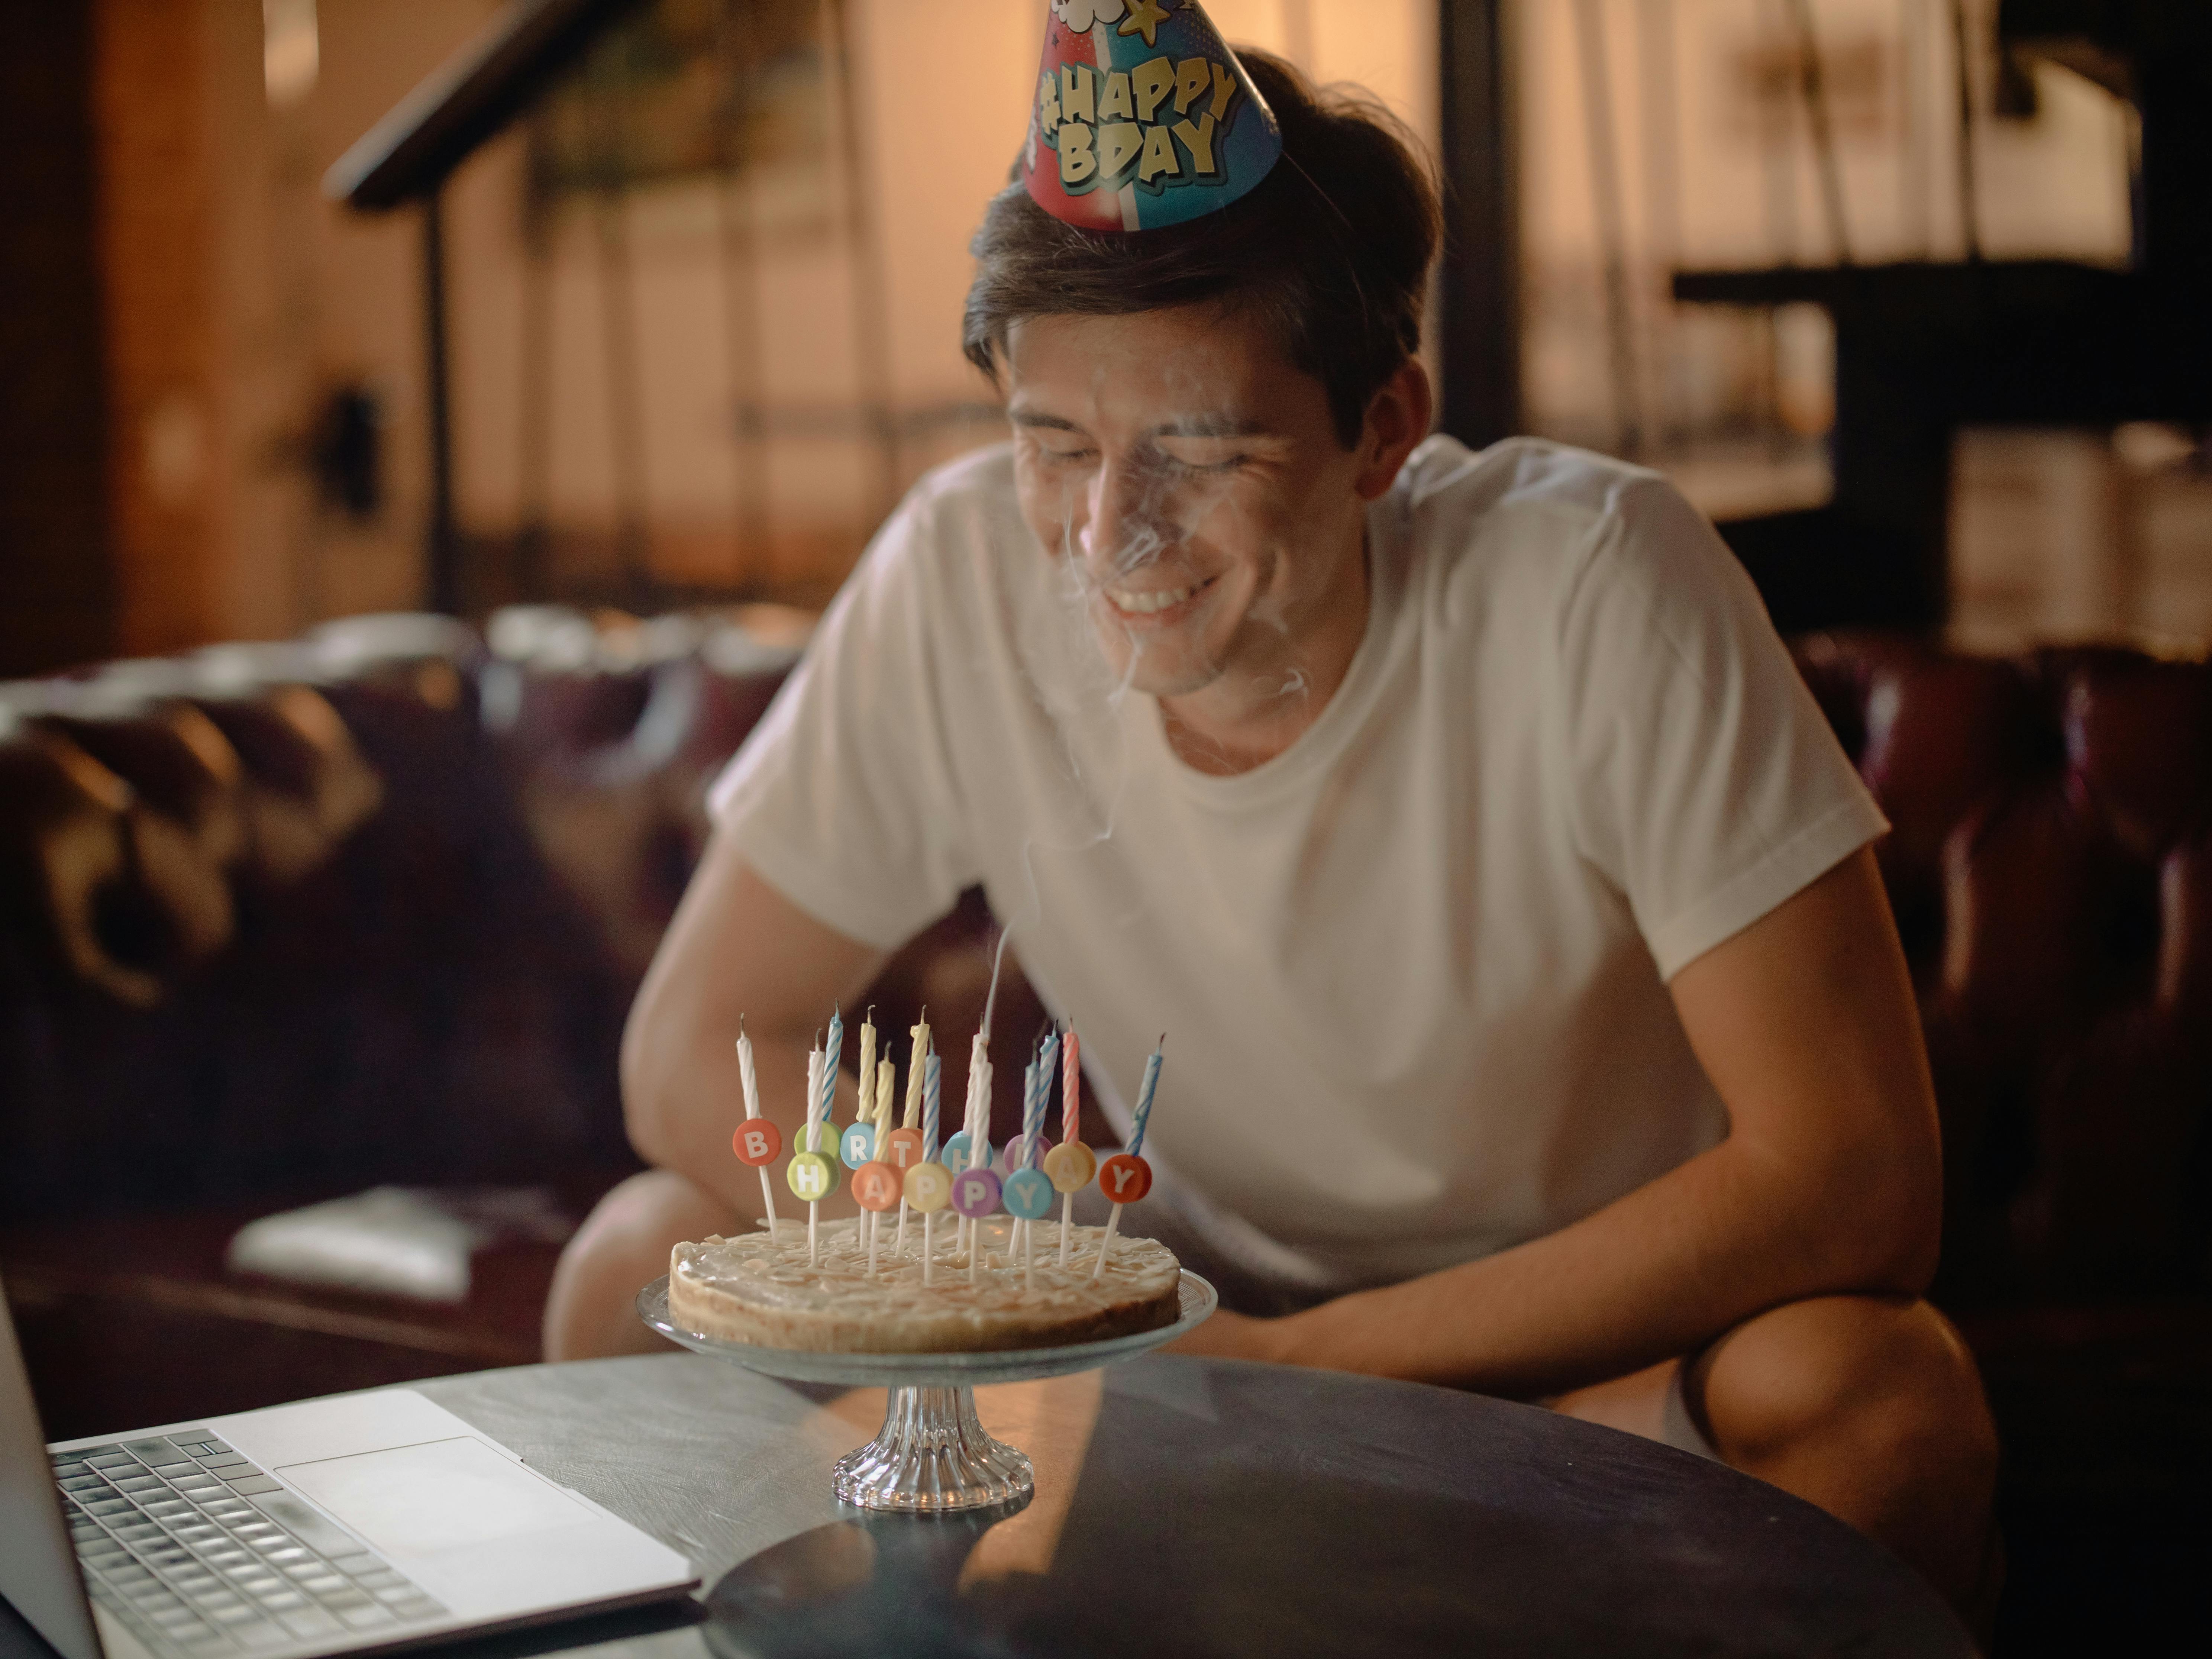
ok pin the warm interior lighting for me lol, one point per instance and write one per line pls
(291, 50)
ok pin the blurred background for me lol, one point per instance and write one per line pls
(430, 427)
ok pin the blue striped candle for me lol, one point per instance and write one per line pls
(832, 1052)
(1144, 1102)
(1048, 1062)
(929, 1107)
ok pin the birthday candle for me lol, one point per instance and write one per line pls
(1033, 1083)
(1071, 1085)
(752, 1109)
(1032, 1144)
(814, 1069)
(867, 1067)
(919, 1031)
(1144, 1100)
(976, 1122)
(1130, 1167)
(832, 1054)
(1048, 1059)
(931, 1072)
(1071, 1107)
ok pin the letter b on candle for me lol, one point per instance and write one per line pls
(1125, 1178)
(757, 1141)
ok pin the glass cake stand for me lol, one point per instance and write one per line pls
(931, 1457)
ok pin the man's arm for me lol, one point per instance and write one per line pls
(735, 947)
(1829, 1182)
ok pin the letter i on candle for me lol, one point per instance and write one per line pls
(1126, 1176)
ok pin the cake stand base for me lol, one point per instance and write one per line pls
(932, 1457)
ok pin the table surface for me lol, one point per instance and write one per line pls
(1188, 1505)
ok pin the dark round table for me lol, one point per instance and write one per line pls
(1192, 1506)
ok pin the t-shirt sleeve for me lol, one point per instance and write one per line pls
(844, 798)
(1707, 785)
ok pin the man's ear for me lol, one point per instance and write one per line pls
(1397, 419)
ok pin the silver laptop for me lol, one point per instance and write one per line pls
(328, 1526)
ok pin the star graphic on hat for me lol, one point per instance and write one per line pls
(1145, 15)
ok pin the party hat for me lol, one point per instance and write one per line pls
(1143, 117)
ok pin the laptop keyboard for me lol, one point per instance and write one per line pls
(200, 1553)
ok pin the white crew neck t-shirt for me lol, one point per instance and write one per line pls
(1413, 968)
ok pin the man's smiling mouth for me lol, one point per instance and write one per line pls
(1151, 601)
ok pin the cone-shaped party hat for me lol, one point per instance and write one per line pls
(1143, 117)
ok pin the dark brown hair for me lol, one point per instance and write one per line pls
(1331, 249)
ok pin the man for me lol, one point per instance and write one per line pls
(1538, 1021)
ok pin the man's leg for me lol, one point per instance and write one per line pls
(1870, 1407)
(622, 1247)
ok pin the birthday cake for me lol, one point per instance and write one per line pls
(760, 1290)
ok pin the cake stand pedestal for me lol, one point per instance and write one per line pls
(932, 1456)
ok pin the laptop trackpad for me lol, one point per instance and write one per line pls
(442, 1495)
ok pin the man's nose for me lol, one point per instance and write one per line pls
(1121, 527)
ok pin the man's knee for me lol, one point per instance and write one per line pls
(623, 1245)
(1887, 1377)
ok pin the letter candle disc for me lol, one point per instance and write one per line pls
(1126, 1177)
(758, 1142)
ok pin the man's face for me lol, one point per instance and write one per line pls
(1194, 479)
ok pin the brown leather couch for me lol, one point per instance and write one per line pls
(287, 921)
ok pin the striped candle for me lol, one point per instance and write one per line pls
(1033, 1128)
(929, 1092)
(833, 1053)
(1145, 1100)
(1034, 1084)
(1071, 1087)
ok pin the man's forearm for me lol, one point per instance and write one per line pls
(684, 1107)
(1656, 1273)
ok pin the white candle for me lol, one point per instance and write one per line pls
(752, 1109)
(814, 1105)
